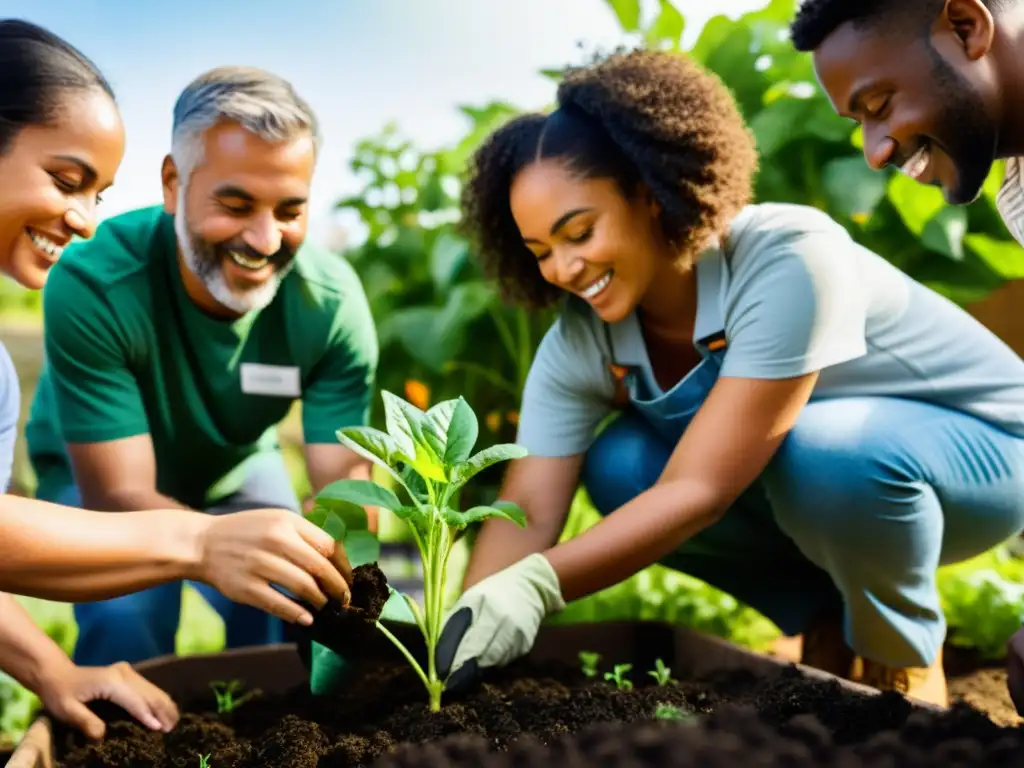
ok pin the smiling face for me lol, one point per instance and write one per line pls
(51, 177)
(241, 217)
(588, 238)
(927, 104)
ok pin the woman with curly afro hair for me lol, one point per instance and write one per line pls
(794, 420)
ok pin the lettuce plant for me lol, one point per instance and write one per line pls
(429, 454)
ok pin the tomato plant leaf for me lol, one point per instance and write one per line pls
(359, 492)
(487, 457)
(504, 509)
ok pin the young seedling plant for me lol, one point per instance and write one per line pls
(661, 673)
(618, 676)
(430, 455)
(225, 695)
(588, 662)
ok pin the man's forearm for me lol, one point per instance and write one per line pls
(61, 553)
(26, 652)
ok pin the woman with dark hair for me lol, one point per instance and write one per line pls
(799, 423)
(61, 142)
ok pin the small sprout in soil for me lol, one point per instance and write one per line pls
(225, 693)
(428, 453)
(588, 662)
(661, 673)
(671, 712)
(618, 676)
(204, 761)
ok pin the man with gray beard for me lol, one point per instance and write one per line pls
(181, 335)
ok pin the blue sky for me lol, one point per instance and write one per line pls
(360, 63)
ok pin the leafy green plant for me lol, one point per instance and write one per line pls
(225, 695)
(429, 454)
(661, 673)
(618, 676)
(983, 610)
(588, 662)
(204, 761)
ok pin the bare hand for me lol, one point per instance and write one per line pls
(66, 693)
(243, 553)
(1015, 669)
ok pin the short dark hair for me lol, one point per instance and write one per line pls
(37, 67)
(817, 19)
(647, 117)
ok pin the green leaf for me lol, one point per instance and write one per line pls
(852, 187)
(435, 428)
(915, 202)
(371, 444)
(1004, 257)
(669, 24)
(486, 458)
(405, 423)
(329, 522)
(361, 492)
(361, 547)
(416, 520)
(351, 516)
(944, 232)
(448, 256)
(463, 431)
(627, 12)
(503, 509)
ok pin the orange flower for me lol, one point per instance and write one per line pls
(512, 417)
(493, 421)
(417, 393)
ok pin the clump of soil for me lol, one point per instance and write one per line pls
(353, 631)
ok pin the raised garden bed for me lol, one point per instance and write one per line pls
(731, 707)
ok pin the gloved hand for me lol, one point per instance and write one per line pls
(496, 621)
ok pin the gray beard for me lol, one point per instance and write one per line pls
(203, 263)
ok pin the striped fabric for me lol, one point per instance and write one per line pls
(1010, 198)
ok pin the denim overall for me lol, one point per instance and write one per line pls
(864, 499)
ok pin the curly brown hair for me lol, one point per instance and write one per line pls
(640, 117)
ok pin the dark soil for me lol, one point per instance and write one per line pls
(533, 714)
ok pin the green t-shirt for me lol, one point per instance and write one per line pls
(128, 353)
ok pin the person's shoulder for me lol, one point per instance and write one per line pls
(323, 277)
(766, 225)
(119, 251)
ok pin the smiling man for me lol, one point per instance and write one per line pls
(938, 87)
(181, 335)
(936, 84)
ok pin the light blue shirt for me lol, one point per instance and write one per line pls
(10, 408)
(794, 294)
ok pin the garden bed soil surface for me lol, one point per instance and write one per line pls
(533, 713)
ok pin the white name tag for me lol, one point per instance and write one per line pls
(273, 380)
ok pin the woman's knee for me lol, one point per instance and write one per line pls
(624, 461)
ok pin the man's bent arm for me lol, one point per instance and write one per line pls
(119, 475)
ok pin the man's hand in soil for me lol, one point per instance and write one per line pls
(66, 691)
(1015, 669)
(243, 554)
(496, 621)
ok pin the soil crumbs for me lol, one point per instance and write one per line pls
(543, 714)
(532, 714)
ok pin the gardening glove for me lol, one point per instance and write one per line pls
(496, 621)
(67, 689)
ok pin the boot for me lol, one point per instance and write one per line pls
(927, 684)
(824, 646)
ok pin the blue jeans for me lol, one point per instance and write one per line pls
(144, 624)
(863, 501)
